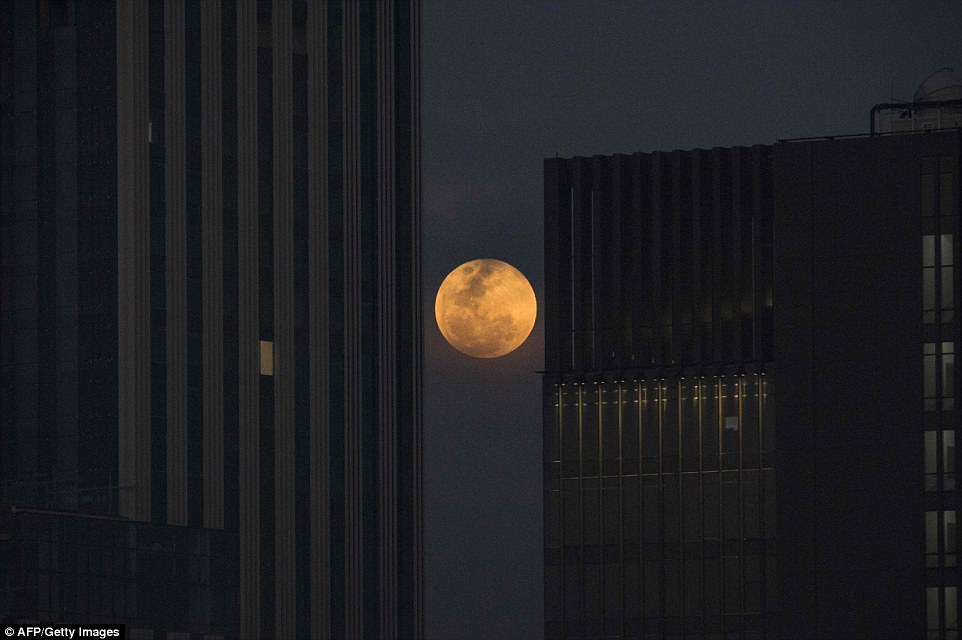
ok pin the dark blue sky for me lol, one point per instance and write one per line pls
(508, 83)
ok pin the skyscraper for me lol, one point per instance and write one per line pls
(749, 407)
(210, 299)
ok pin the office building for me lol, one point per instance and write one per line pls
(749, 415)
(210, 315)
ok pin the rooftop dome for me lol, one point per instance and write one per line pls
(944, 84)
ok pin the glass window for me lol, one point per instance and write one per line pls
(951, 609)
(267, 358)
(932, 611)
(948, 293)
(928, 375)
(931, 461)
(946, 194)
(948, 532)
(948, 460)
(928, 294)
(928, 196)
(928, 251)
(945, 253)
(931, 538)
(948, 376)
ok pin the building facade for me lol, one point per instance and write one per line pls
(210, 297)
(865, 338)
(659, 516)
(749, 396)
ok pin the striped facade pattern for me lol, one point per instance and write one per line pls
(659, 508)
(658, 333)
(267, 188)
(660, 259)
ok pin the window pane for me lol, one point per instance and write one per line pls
(948, 451)
(948, 375)
(928, 376)
(932, 607)
(928, 293)
(928, 251)
(945, 257)
(951, 608)
(949, 523)
(948, 293)
(928, 196)
(931, 461)
(946, 194)
(931, 532)
(267, 358)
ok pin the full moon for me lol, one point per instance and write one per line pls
(485, 308)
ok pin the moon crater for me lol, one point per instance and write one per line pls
(485, 308)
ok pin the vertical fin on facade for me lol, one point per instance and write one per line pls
(212, 202)
(282, 52)
(387, 319)
(248, 321)
(319, 330)
(353, 374)
(133, 261)
(175, 196)
(416, 337)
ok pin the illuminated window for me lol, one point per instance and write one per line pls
(951, 613)
(948, 460)
(948, 537)
(932, 612)
(948, 376)
(928, 376)
(931, 461)
(928, 278)
(938, 280)
(947, 283)
(267, 358)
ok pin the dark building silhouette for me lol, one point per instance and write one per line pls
(210, 358)
(749, 395)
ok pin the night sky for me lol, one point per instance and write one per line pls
(508, 83)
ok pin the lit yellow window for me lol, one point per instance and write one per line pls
(267, 358)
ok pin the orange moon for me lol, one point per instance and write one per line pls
(485, 308)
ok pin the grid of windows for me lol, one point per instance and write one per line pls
(82, 568)
(938, 390)
(659, 514)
